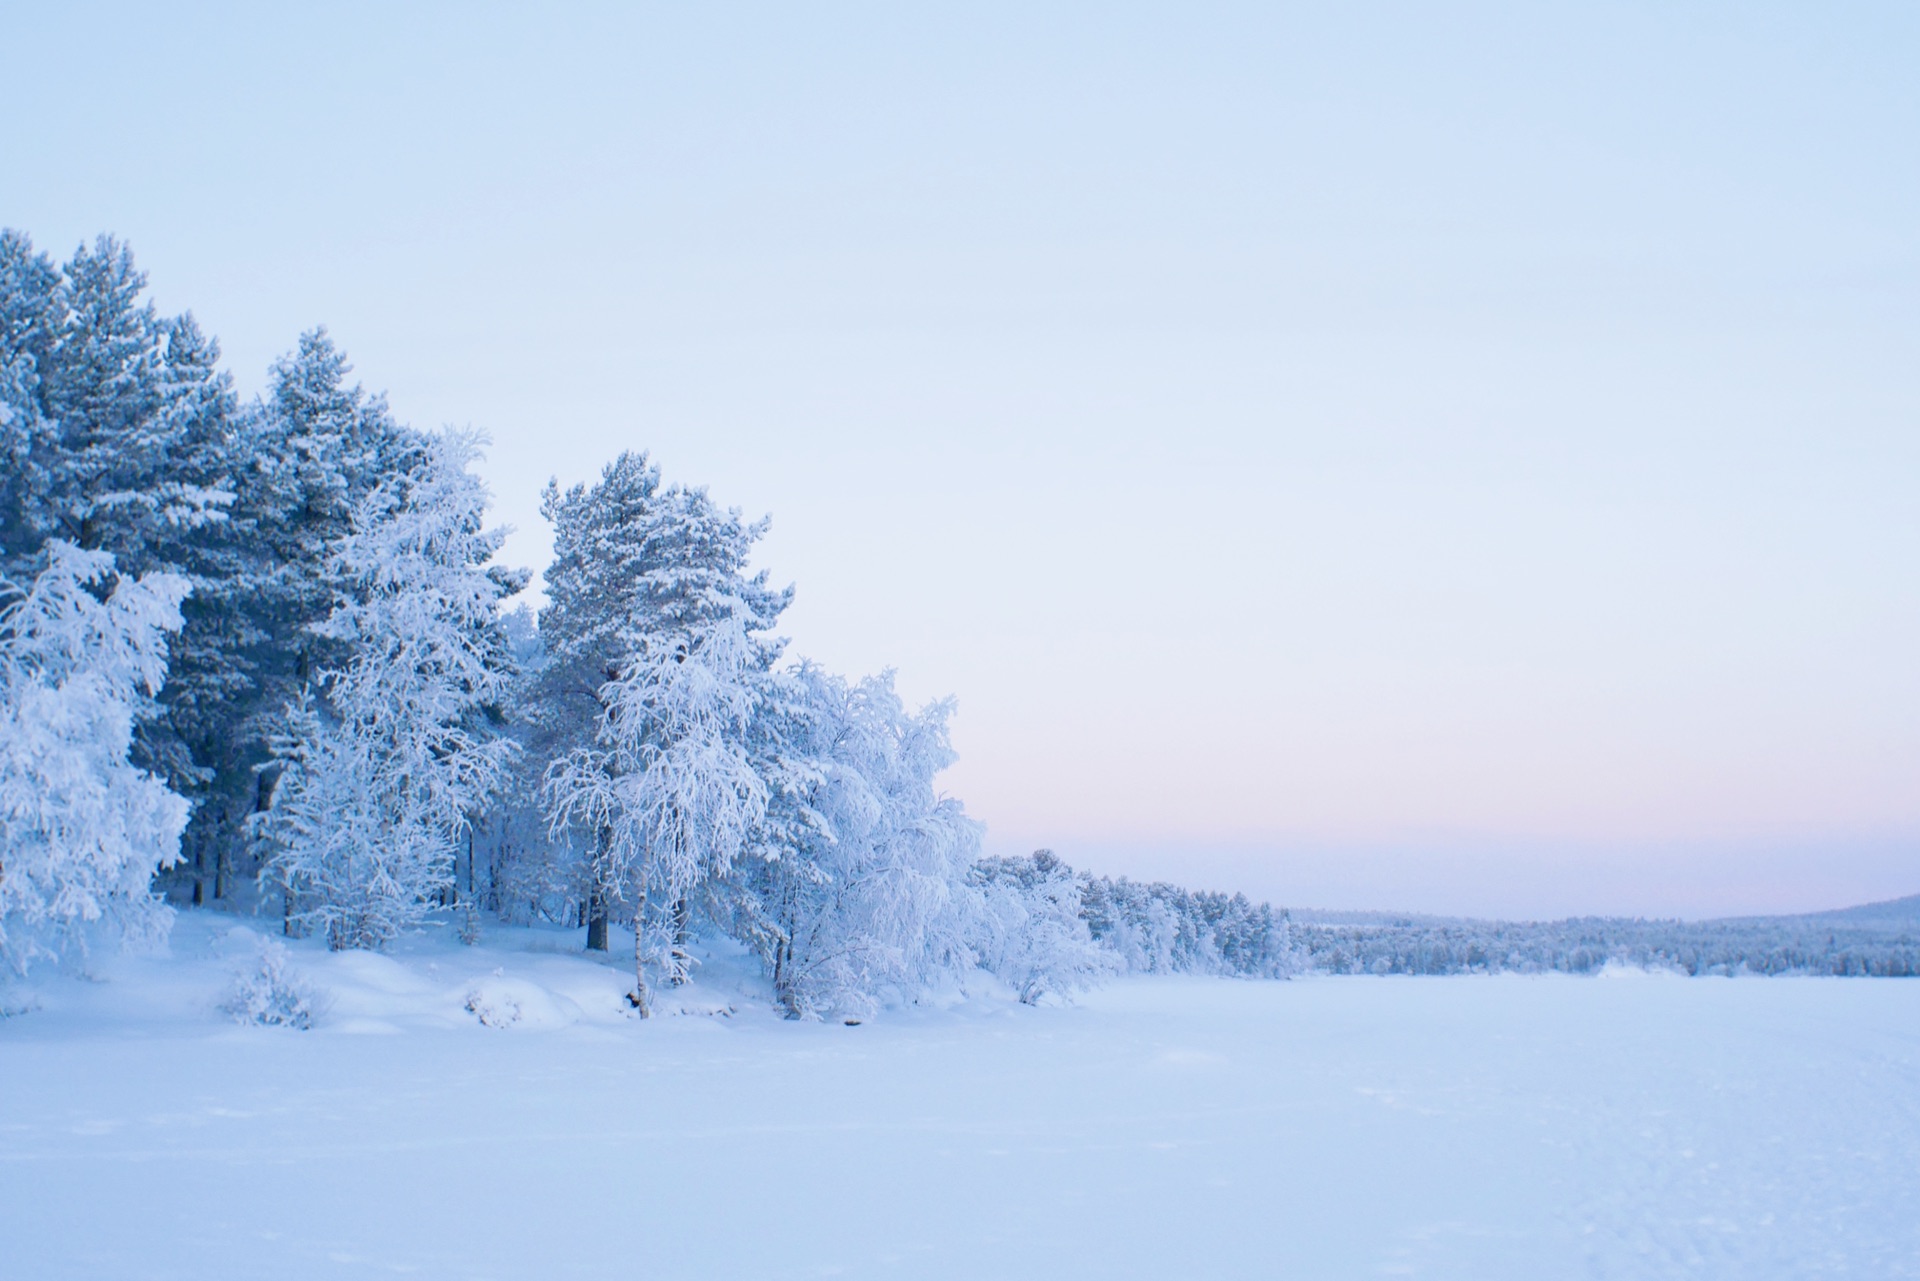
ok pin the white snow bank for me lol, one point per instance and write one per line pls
(1490, 1128)
(498, 1001)
(1618, 969)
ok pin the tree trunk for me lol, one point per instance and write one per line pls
(638, 997)
(497, 857)
(596, 920)
(597, 895)
(470, 924)
(783, 983)
(678, 975)
(783, 978)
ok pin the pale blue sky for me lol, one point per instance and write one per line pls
(1449, 457)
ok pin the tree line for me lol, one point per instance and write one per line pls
(261, 653)
(1836, 944)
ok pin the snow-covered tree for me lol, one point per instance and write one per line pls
(1032, 933)
(322, 447)
(1159, 928)
(863, 883)
(120, 433)
(669, 787)
(637, 566)
(82, 830)
(529, 875)
(335, 685)
(27, 282)
(313, 450)
(122, 398)
(358, 851)
(384, 775)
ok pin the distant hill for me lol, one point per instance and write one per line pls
(1892, 912)
(1895, 911)
(1159, 926)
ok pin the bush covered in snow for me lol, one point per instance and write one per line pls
(269, 990)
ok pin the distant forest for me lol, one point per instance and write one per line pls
(1881, 940)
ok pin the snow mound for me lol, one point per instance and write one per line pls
(501, 1002)
(696, 1003)
(1615, 968)
(15, 1003)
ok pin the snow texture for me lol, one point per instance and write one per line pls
(1486, 1128)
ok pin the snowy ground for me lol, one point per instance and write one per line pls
(1507, 1127)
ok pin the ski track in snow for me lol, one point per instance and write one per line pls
(1483, 1128)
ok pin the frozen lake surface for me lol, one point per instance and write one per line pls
(1508, 1127)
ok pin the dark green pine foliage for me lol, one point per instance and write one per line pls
(27, 329)
(120, 433)
(318, 447)
(119, 437)
(308, 451)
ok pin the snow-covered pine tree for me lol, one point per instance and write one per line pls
(861, 882)
(82, 829)
(635, 564)
(1159, 928)
(323, 448)
(387, 771)
(596, 610)
(118, 433)
(99, 383)
(309, 453)
(27, 281)
(139, 405)
(122, 413)
(197, 728)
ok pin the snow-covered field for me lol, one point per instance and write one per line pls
(1505, 1127)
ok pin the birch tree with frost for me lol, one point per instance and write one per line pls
(669, 786)
(384, 771)
(639, 569)
(863, 884)
(82, 830)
